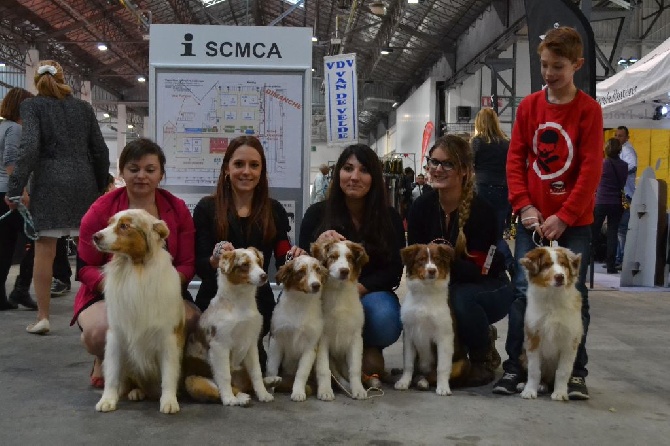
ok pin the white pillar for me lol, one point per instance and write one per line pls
(121, 127)
(86, 94)
(32, 60)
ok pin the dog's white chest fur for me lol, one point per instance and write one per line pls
(343, 315)
(425, 314)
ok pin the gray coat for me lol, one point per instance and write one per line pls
(63, 148)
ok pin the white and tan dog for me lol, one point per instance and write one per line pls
(426, 316)
(144, 310)
(341, 347)
(297, 322)
(553, 322)
(228, 333)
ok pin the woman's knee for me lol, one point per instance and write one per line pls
(94, 338)
(382, 319)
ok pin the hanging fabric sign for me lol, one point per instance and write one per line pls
(341, 96)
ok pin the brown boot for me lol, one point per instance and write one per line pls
(373, 367)
(480, 369)
(494, 360)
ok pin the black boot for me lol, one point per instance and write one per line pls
(20, 295)
(4, 303)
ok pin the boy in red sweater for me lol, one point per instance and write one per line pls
(554, 164)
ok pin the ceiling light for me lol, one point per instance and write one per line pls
(105, 115)
(395, 104)
(386, 51)
(130, 126)
(313, 70)
(315, 39)
(102, 46)
(412, 2)
(141, 79)
(2, 64)
(377, 8)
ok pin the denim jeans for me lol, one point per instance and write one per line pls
(382, 319)
(578, 240)
(478, 305)
(621, 235)
(497, 197)
(613, 214)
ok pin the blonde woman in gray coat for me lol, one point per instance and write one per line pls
(63, 148)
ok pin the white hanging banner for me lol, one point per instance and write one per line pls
(341, 97)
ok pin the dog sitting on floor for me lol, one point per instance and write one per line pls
(341, 346)
(144, 310)
(428, 326)
(553, 322)
(297, 324)
(227, 335)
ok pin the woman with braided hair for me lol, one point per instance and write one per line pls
(480, 292)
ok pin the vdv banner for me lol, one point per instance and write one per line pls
(341, 96)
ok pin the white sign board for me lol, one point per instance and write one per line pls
(341, 97)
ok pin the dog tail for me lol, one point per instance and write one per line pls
(202, 389)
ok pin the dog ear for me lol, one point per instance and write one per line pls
(407, 254)
(226, 261)
(316, 250)
(531, 261)
(323, 272)
(258, 254)
(283, 272)
(360, 256)
(161, 229)
(445, 253)
(575, 261)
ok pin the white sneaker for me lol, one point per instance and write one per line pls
(40, 327)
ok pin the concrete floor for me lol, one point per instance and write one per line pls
(45, 397)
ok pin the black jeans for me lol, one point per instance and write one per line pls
(9, 233)
(578, 240)
(478, 305)
(613, 214)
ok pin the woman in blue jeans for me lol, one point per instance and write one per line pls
(356, 209)
(480, 292)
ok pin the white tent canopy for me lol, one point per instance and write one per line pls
(631, 94)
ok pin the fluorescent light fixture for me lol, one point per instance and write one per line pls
(395, 104)
(130, 126)
(385, 51)
(313, 70)
(315, 39)
(102, 46)
(632, 60)
(141, 79)
(412, 2)
(2, 64)
(105, 115)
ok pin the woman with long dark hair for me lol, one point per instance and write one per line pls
(357, 209)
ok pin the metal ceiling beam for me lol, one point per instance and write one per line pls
(388, 27)
(79, 25)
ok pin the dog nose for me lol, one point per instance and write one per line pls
(263, 277)
(431, 272)
(559, 278)
(344, 273)
(97, 237)
(316, 286)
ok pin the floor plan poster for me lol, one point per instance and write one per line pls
(198, 114)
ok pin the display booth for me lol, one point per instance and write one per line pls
(210, 84)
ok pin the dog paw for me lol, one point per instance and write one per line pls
(560, 396)
(298, 396)
(402, 384)
(528, 393)
(326, 395)
(106, 405)
(265, 397)
(272, 381)
(443, 390)
(359, 393)
(136, 395)
(422, 384)
(243, 399)
(229, 400)
(169, 404)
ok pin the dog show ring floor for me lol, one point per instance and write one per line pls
(46, 397)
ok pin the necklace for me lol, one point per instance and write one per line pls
(444, 228)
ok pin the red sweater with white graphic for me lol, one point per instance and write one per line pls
(555, 157)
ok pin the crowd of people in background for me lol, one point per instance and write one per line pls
(557, 193)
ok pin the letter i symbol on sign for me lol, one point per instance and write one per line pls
(188, 47)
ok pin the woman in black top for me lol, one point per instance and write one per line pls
(480, 292)
(489, 146)
(356, 209)
(241, 214)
